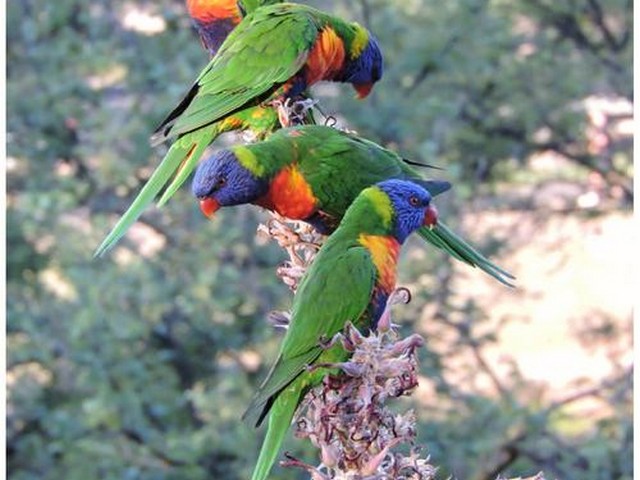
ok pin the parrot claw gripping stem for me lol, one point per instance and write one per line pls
(301, 107)
(293, 112)
(331, 121)
(326, 344)
(352, 337)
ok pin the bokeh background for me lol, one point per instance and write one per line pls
(138, 365)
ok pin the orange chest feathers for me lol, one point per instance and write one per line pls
(384, 254)
(326, 57)
(290, 195)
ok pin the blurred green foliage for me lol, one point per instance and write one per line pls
(138, 365)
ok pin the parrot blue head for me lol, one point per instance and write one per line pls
(221, 180)
(365, 68)
(411, 206)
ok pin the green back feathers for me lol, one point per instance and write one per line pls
(251, 5)
(265, 159)
(337, 165)
(266, 49)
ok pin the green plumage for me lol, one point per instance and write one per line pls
(337, 166)
(267, 49)
(180, 161)
(320, 310)
(249, 6)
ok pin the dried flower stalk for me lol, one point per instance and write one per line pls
(346, 418)
(301, 242)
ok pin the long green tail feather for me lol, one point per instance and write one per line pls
(445, 239)
(280, 419)
(185, 150)
(184, 171)
(279, 379)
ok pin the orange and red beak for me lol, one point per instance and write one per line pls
(209, 206)
(430, 217)
(363, 89)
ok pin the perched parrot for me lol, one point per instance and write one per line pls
(313, 173)
(272, 56)
(214, 19)
(350, 280)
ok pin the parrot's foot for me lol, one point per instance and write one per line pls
(327, 343)
(301, 108)
(351, 337)
(293, 112)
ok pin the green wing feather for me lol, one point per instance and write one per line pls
(444, 238)
(320, 310)
(279, 421)
(250, 5)
(264, 51)
(285, 405)
(328, 151)
(328, 155)
(197, 143)
(183, 152)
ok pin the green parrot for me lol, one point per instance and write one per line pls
(350, 280)
(313, 173)
(270, 59)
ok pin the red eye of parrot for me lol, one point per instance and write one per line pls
(413, 201)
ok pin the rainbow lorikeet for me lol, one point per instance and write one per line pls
(214, 19)
(313, 173)
(361, 257)
(272, 56)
